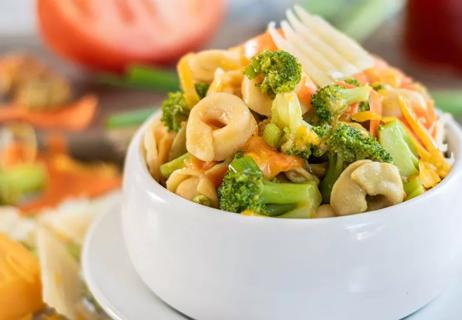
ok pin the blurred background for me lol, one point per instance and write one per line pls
(406, 34)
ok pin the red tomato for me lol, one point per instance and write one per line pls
(110, 34)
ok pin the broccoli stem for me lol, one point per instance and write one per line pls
(274, 210)
(334, 169)
(272, 135)
(394, 139)
(352, 95)
(413, 187)
(285, 193)
(167, 168)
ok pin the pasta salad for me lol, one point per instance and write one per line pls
(299, 122)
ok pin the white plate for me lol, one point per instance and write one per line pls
(121, 293)
(111, 278)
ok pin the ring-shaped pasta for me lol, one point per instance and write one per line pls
(204, 63)
(157, 143)
(256, 100)
(189, 183)
(218, 126)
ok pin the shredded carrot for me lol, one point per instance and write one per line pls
(306, 91)
(258, 44)
(389, 119)
(270, 162)
(427, 174)
(74, 117)
(375, 107)
(366, 116)
(187, 81)
(424, 136)
(197, 164)
(68, 178)
(381, 72)
(16, 153)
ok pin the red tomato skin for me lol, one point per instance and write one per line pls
(77, 43)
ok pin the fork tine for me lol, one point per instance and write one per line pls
(343, 44)
(315, 57)
(343, 66)
(314, 73)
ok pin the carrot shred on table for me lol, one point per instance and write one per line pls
(73, 117)
(69, 178)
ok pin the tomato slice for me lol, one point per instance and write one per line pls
(110, 34)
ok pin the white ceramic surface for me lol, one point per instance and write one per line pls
(107, 269)
(110, 276)
(211, 264)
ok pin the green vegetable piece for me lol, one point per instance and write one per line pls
(393, 138)
(364, 106)
(143, 77)
(20, 180)
(351, 145)
(334, 169)
(244, 187)
(331, 101)
(203, 200)
(272, 135)
(413, 187)
(346, 145)
(128, 119)
(280, 71)
(201, 89)
(297, 134)
(167, 168)
(174, 111)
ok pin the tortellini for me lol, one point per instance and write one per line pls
(157, 144)
(255, 98)
(204, 64)
(218, 126)
(366, 185)
(227, 81)
(190, 183)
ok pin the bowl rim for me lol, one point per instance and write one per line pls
(455, 143)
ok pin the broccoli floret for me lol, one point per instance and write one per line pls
(345, 145)
(331, 101)
(174, 111)
(201, 89)
(279, 70)
(245, 188)
(351, 144)
(298, 138)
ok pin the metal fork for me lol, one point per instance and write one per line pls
(326, 54)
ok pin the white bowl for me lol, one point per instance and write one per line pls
(211, 264)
